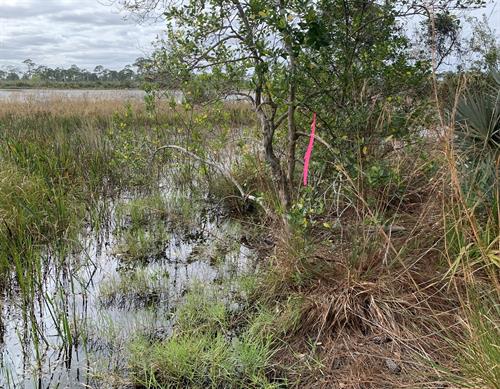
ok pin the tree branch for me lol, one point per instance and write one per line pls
(319, 139)
(221, 169)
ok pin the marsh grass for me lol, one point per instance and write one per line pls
(62, 163)
(61, 158)
(213, 346)
(134, 288)
(141, 211)
(143, 244)
(148, 222)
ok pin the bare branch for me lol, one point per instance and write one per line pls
(319, 139)
(220, 168)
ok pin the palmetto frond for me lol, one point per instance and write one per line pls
(478, 117)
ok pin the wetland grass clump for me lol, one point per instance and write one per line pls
(147, 224)
(34, 212)
(213, 345)
(174, 208)
(143, 243)
(48, 181)
(136, 287)
(141, 211)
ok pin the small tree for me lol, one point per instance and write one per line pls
(248, 49)
(483, 47)
(268, 51)
(31, 66)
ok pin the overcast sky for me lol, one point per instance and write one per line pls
(84, 32)
(65, 32)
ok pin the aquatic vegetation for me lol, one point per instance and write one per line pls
(135, 287)
(141, 211)
(142, 244)
(148, 223)
(211, 346)
(63, 166)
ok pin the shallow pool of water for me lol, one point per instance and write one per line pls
(73, 329)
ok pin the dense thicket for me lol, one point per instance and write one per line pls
(74, 76)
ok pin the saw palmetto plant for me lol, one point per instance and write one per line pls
(478, 135)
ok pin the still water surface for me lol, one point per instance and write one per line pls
(68, 332)
(35, 351)
(25, 95)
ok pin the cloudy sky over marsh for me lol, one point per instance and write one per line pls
(86, 33)
(66, 32)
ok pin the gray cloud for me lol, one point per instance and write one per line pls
(66, 32)
(83, 32)
(89, 17)
(29, 40)
(18, 10)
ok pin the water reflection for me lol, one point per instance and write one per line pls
(64, 333)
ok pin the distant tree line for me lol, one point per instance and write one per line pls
(34, 75)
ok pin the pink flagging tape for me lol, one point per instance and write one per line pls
(307, 157)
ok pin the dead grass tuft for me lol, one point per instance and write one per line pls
(380, 304)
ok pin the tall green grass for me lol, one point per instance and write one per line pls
(478, 346)
(60, 160)
(472, 217)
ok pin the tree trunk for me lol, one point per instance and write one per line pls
(279, 176)
(292, 130)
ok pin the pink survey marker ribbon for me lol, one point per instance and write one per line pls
(307, 157)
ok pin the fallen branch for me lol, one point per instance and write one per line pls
(225, 173)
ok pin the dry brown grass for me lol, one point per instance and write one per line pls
(380, 306)
(376, 334)
(87, 108)
(66, 107)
